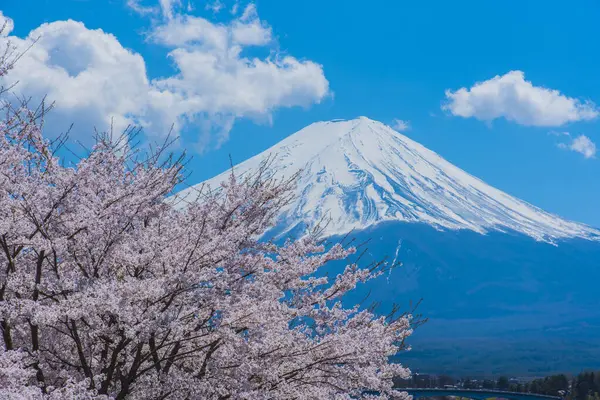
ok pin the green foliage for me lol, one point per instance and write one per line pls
(488, 384)
(550, 385)
(585, 386)
(503, 383)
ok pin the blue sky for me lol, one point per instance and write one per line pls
(235, 83)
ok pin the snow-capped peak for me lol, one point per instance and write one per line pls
(360, 172)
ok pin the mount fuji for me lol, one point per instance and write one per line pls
(507, 287)
(357, 173)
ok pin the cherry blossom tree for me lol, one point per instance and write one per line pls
(109, 289)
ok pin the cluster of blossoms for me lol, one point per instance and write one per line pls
(108, 291)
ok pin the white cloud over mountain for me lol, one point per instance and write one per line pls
(400, 125)
(512, 97)
(580, 144)
(95, 80)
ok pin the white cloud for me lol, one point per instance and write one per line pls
(141, 9)
(235, 8)
(581, 144)
(189, 30)
(197, 33)
(512, 97)
(215, 6)
(400, 125)
(559, 133)
(216, 78)
(94, 79)
(6, 23)
(169, 7)
(249, 30)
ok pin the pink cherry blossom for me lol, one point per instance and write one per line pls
(110, 291)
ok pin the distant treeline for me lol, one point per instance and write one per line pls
(585, 386)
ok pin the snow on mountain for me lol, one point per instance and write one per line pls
(360, 172)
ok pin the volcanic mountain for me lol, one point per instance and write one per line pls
(358, 173)
(507, 287)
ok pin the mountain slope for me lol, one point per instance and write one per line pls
(497, 303)
(360, 172)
